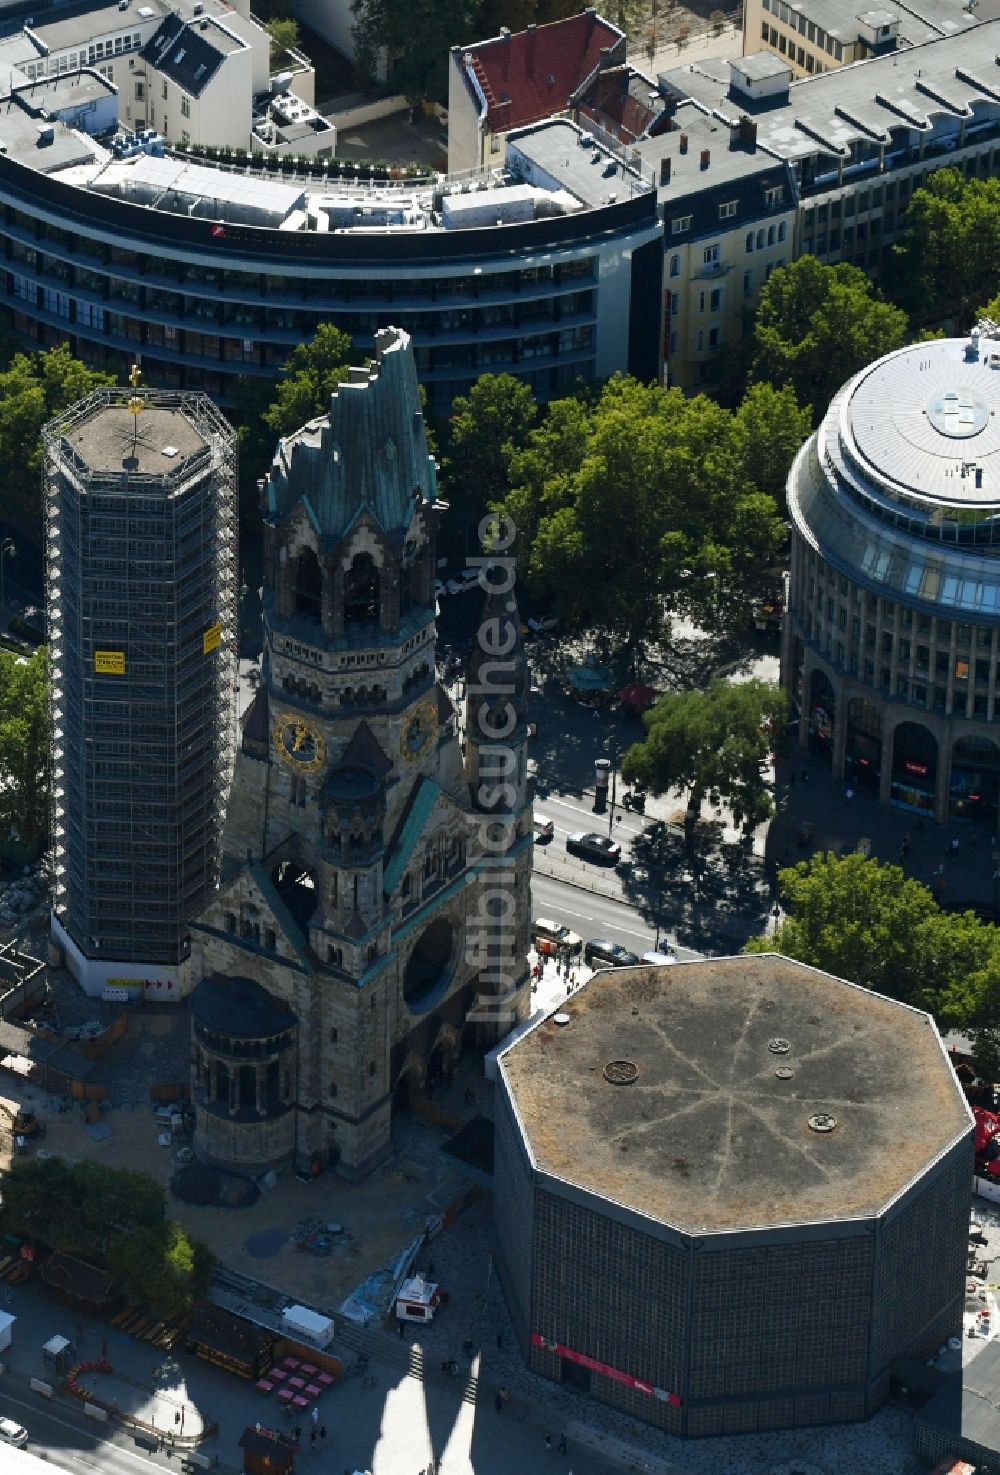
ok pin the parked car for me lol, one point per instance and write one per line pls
(543, 625)
(600, 950)
(555, 935)
(467, 579)
(544, 828)
(593, 847)
(12, 1433)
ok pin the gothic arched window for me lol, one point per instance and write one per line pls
(361, 592)
(308, 586)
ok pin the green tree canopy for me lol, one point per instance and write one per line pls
(945, 261)
(770, 426)
(113, 1216)
(415, 36)
(284, 34)
(33, 388)
(488, 427)
(711, 744)
(24, 748)
(639, 505)
(874, 925)
(817, 325)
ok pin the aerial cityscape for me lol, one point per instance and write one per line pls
(499, 765)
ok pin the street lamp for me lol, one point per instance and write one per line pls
(7, 550)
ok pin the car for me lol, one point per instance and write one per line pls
(550, 936)
(467, 579)
(544, 828)
(12, 1433)
(593, 847)
(599, 950)
(543, 625)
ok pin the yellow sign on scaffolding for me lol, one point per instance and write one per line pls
(109, 662)
(212, 639)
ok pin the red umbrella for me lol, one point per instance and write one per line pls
(987, 1124)
(638, 696)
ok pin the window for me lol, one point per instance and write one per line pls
(371, 1070)
(715, 301)
(782, 231)
(727, 209)
(747, 283)
(760, 240)
(164, 92)
(185, 107)
(333, 1088)
(701, 302)
(140, 91)
(713, 338)
(701, 339)
(711, 255)
(749, 242)
(680, 224)
(673, 342)
(770, 235)
(334, 1034)
(675, 266)
(774, 195)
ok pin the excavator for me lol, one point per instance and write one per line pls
(22, 1123)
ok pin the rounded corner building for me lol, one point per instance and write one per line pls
(891, 648)
(730, 1194)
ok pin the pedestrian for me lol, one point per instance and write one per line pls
(313, 1436)
(322, 1432)
(848, 794)
(504, 1395)
(498, 1403)
(315, 1413)
(548, 1443)
(562, 1444)
(402, 1330)
(953, 845)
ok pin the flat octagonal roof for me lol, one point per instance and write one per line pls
(764, 1093)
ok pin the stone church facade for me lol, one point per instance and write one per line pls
(371, 878)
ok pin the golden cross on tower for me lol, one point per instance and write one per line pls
(135, 374)
(136, 403)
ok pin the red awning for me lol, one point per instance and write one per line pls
(987, 1125)
(638, 696)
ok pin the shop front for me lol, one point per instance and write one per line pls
(914, 769)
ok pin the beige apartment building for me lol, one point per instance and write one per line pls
(816, 36)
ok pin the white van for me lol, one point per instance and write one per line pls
(658, 960)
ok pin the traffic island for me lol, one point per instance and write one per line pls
(142, 1406)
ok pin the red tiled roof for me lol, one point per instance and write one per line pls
(530, 75)
(613, 102)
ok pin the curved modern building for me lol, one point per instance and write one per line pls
(547, 266)
(891, 647)
(707, 1211)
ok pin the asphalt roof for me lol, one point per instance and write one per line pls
(577, 163)
(239, 1008)
(709, 1136)
(901, 91)
(112, 439)
(533, 73)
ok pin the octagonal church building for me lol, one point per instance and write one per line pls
(372, 917)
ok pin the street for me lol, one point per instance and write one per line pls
(72, 1441)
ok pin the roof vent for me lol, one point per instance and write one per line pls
(621, 1072)
(560, 1019)
(550, 79)
(169, 451)
(199, 7)
(784, 1072)
(778, 1046)
(822, 1121)
(179, 56)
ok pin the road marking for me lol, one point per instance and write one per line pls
(584, 916)
(79, 1429)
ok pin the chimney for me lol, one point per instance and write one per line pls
(664, 172)
(529, 48)
(605, 59)
(748, 133)
(706, 158)
(684, 143)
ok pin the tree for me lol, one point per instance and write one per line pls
(487, 428)
(945, 261)
(24, 748)
(817, 325)
(414, 37)
(307, 379)
(284, 34)
(770, 427)
(638, 505)
(161, 1268)
(33, 388)
(872, 924)
(712, 743)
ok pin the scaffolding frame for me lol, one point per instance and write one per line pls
(141, 762)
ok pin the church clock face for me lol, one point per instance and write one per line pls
(418, 731)
(299, 743)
